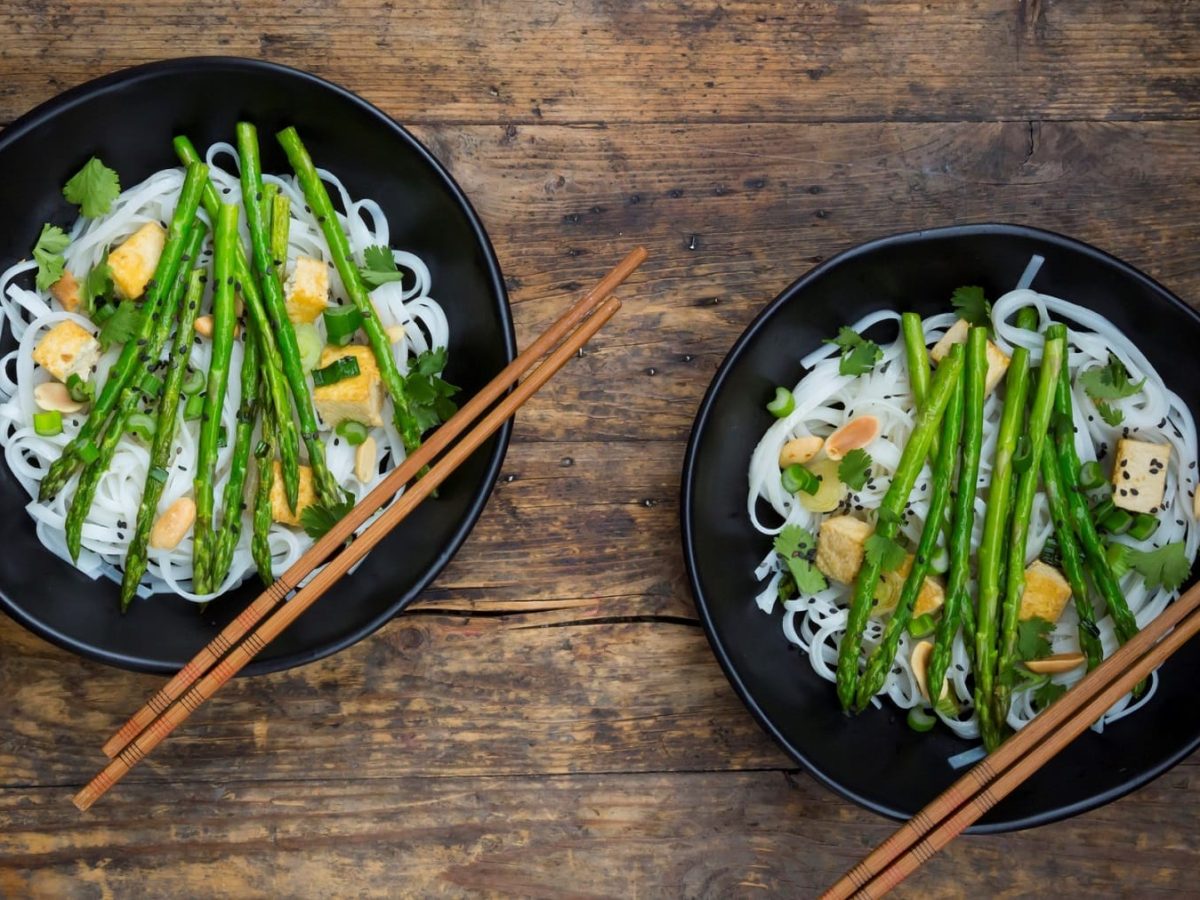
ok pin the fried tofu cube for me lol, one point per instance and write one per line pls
(307, 290)
(66, 350)
(929, 599)
(997, 359)
(66, 291)
(1140, 475)
(1046, 593)
(359, 398)
(841, 546)
(133, 263)
(280, 511)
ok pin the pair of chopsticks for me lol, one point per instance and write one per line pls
(1023, 754)
(245, 637)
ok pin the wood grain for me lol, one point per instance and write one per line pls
(550, 718)
(672, 60)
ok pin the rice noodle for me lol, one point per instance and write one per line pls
(824, 400)
(109, 526)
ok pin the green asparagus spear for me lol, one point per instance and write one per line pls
(118, 377)
(281, 218)
(880, 662)
(1072, 562)
(918, 363)
(995, 527)
(272, 291)
(164, 437)
(272, 355)
(1081, 517)
(138, 387)
(233, 502)
(339, 248)
(891, 509)
(264, 459)
(224, 320)
(1053, 355)
(963, 516)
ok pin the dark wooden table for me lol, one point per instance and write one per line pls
(550, 719)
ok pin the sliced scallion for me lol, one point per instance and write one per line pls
(783, 405)
(338, 370)
(48, 423)
(341, 323)
(142, 425)
(353, 432)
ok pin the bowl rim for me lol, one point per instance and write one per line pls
(121, 79)
(688, 528)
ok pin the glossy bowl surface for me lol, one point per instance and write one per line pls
(875, 759)
(428, 214)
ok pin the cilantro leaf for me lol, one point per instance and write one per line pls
(122, 325)
(884, 552)
(1048, 693)
(318, 518)
(1110, 382)
(428, 395)
(859, 355)
(855, 468)
(98, 283)
(93, 188)
(796, 545)
(971, 305)
(1110, 414)
(1032, 638)
(1168, 566)
(47, 253)
(379, 267)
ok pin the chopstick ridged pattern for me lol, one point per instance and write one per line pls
(207, 671)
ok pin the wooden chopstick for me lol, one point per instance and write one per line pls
(285, 614)
(996, 776)
(369, 505)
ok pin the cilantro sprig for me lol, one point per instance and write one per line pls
(859, 356)
(1167, 566)
(47, 253)
(379, 267)
(93, 188)
(1107, 383)
(971, 305)
(884, 552)
(97, 284)
(1110, 382)
(855, 469)
(796, 546)
(318, 518)
(122, 325)
(428, 394)
(1048, 693)
(1033, 638)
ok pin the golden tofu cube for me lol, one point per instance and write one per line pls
(1140, 475)
(929, 599)
(359, 398)
(133, 263)
(1046, 593)
(841, 546)
(307, 496)
(307, 290)
(66, 291)
(997, 359)
(66, 350)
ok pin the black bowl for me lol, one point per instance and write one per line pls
(128, 120)
(875, 759)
